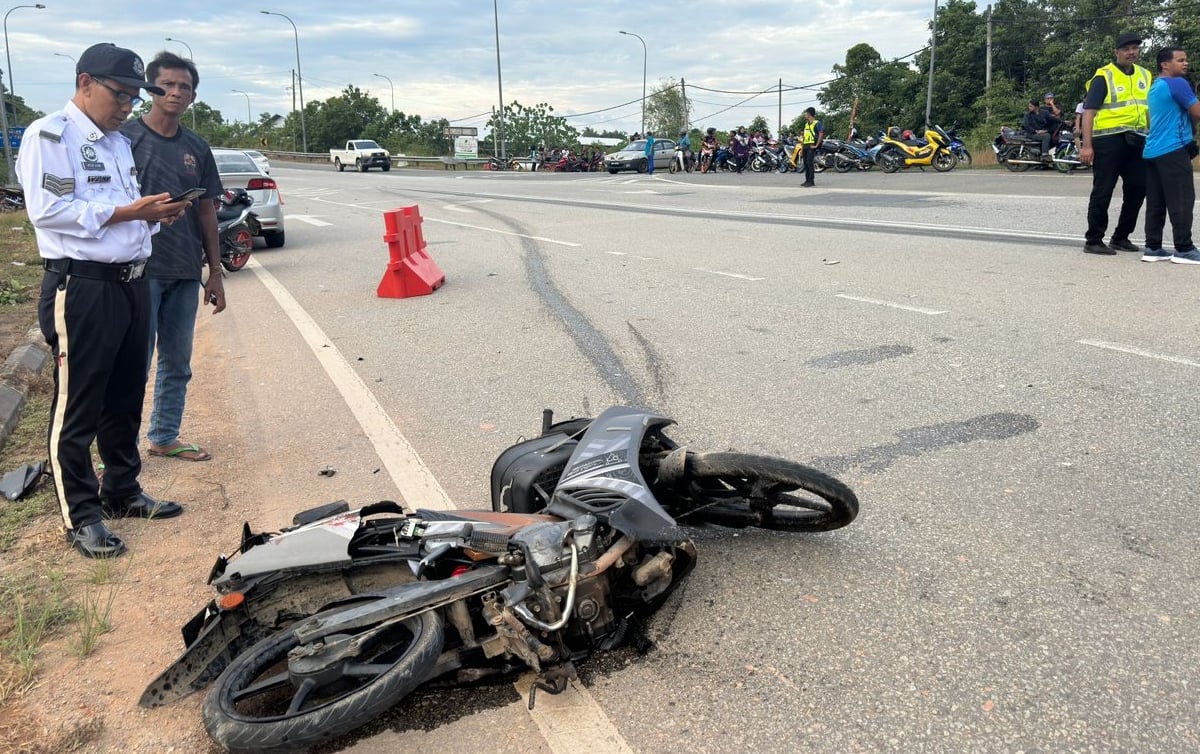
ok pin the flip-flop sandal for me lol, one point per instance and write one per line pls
(199, 453)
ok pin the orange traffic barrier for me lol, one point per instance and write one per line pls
(410, 270)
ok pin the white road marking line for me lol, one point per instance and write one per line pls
(1139, 352)
(461, 206)
(727, 274)
(410, 474)
(501, 232)
(570, 722)
(626, 254)
(917, 309)
(310, 219)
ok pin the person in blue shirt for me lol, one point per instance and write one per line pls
(1170, 148)
(685, 146)
(649, 153)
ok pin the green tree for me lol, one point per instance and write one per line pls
(885, 93)
(527, 127)
(667, 112)
(352, 114)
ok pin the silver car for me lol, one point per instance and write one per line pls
(633, 156)
(238, 170)
(260, 159)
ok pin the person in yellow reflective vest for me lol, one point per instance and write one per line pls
(1115, 124)
(814, 134)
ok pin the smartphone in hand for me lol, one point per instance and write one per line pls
(187, 196)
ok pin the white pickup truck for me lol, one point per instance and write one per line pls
(361, 154)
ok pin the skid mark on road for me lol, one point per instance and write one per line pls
(918, 441)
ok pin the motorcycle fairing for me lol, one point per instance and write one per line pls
(603, 478)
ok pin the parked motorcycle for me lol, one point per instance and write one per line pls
(681, 161)
(321, 627)
(897, 153)
(236, 228)
(1066, 152)
(958, 147)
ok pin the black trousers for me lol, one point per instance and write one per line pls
(98, 332)
(1115, 157)
(1170, 191)
(810, 151)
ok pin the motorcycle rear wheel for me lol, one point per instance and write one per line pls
(842, 163)
(740, 490)
(889, 161)
(251, 703)
(241, 244)
(1018, 167)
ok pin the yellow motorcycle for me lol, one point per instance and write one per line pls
(897, 153)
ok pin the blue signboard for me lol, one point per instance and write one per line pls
(14, 136)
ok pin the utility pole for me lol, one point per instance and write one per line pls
(683, 93)
(932, 51)
(987, 76)
(779, 133)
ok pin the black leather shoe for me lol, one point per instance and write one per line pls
(96, 541)
(140, 505)
(1123, 244)
(1098, 247)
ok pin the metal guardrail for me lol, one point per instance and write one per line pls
(398, 160)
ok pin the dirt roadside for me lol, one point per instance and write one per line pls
(90, 705)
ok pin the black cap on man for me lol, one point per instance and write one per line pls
(107, 61)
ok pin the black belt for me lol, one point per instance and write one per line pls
(123, 272)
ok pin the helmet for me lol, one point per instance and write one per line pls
(907, 134)
(682, 134)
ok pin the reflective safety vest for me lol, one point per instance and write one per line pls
(810, 132)
(1126, 107)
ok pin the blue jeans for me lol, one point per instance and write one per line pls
(173, 305)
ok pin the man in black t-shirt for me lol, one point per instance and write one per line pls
(170, 158)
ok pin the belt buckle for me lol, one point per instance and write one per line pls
(132, 271)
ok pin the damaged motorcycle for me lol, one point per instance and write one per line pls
(321, 627)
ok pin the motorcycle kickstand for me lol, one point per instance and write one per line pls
(553, 681)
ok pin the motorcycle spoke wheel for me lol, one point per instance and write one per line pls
(740, 490)
(258, 703)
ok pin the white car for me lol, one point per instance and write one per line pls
(238, 170)
(260, 159)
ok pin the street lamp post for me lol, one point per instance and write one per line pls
(8, 156)
(68, 57)
(7, 57)
(299, 76)
(391, 87)
(499, 86)
(247, 96)
(631, 34)
(191, 57)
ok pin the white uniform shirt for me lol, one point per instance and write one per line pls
(75, 176)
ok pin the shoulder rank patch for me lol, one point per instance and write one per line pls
(58, 186)
(50, 136)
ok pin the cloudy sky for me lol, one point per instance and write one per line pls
(441, 56)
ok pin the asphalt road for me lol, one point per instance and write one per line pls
(1017, 418)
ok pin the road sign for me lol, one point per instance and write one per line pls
(460, 131)
(14, 136)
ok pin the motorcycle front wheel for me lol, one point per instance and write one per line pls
(265, 701)
(740, 490)
(964, 157)
(944, 161)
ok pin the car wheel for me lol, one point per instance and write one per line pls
(613, 171)
(274, 240)
(641, 166)
(337, 163)
(387, 167)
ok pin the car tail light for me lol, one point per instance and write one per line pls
(260, 184)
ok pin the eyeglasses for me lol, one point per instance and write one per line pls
(123, 98)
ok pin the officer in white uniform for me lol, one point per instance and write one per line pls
(93, 232)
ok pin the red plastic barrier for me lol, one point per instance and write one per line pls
(410, 271)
